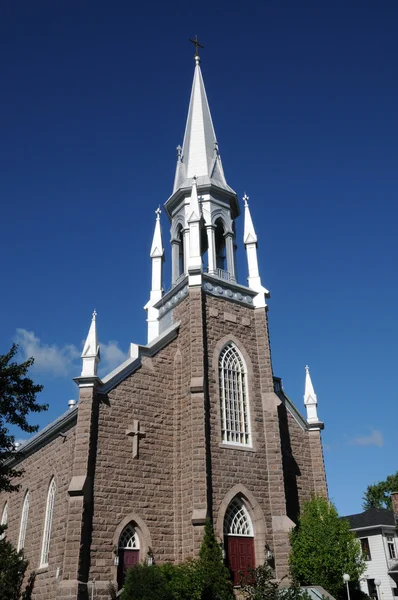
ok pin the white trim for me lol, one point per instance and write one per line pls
(45, 549)
(24, 522)
(371, 527)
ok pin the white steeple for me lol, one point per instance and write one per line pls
(310, 399)
(91, 351)
(157, 256)
(250, 242)
(199, 156)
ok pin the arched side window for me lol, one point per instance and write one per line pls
(24, 522)
(129, 539)
(234, 405)
(48, 524)
(4, 518)
(237, 520)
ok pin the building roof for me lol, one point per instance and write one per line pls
(199, 156)
(374, 517)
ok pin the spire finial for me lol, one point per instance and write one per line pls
(94, 314)
(197, 46)
(158, 212)
(307, 369)
(246, 199)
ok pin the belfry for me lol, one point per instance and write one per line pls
(193, 425)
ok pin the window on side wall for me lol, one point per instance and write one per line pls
(391, 546)
(365, 549)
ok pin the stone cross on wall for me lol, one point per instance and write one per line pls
(134, 432)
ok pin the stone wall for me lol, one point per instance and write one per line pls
(53, 460)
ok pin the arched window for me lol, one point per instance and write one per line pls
(237, 520)
(234, 406)
(129, 539)
(48, 523)
(4, 518)
(24, 522)
(239, 540)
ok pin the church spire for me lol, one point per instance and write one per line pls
(199, 156)
(91, 351)
(310, 399)
(157, 256)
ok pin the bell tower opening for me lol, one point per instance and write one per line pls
(221, 258)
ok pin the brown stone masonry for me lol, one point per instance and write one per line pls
(55, 459)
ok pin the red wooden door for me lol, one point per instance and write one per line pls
(240, 556)
(127, 558)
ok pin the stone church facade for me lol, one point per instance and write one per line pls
(192, 425)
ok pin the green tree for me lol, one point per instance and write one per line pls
(378, 495)
(217, 583)
(324, 548)
(12, 571)
(17, 400)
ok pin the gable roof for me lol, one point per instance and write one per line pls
(374, 517)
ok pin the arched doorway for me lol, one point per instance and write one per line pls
(128, 552)
(238, 539)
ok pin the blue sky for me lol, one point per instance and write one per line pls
(304, 101)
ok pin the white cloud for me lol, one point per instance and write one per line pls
(375, 438)
(54, 360)
(64, 361)
(111, 356)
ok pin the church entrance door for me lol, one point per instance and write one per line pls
(128, 552)
(127, 559)
(239, 540)
(240, 555)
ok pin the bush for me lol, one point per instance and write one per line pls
(145, 582)
(203, 579)
(12, 571)
(260, 585)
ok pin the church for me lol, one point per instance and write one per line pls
(192, 425)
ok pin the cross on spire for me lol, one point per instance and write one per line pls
(245, 199)
(197, 45)
(158, 212)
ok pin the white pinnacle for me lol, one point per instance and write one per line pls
(91, 351)
(157, 245)
(310, 399)
(194, 210)
(249, 235)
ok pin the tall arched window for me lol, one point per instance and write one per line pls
(24, 522)
(4, 518)
(48, 524)
(234, 405)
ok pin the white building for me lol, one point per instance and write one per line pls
(377, 532)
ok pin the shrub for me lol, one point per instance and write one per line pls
(145, 582)
(12, 571)
(260, 585)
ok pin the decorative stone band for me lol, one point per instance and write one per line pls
(228, 290)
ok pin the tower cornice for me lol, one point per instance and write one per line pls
(184, 193)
